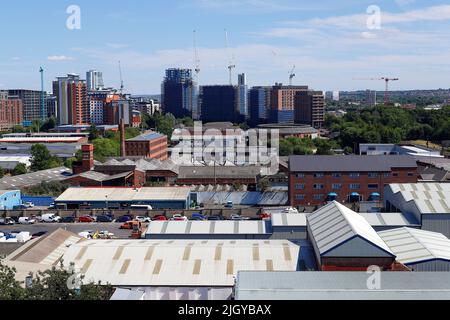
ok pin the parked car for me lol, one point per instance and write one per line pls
(104, 219)
(290, 210)
(124, 219)
(198, 217)
(179, 217)
(236, 217)
(229, 205)
(7, 221)
(130, 224)
(28, 204)
(86, 219)
(50, 218)
(216, 218)
(143, 219)
(141, 207)
(160, 218)
(26, 220)
(68, 220)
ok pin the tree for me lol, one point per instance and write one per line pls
(49, 124)
(21, 168)
(2, 172)
(10, 289)
(94, 133)
(41, 159)
(263, 184)
(104, 148)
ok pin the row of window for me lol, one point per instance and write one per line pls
(337, 186)
(353, 175)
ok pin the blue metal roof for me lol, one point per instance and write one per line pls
(147, 137)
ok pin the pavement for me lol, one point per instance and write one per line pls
(72, 227)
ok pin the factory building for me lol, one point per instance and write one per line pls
(179, 269)
(419, 250)
(429, 202)
(391, 220)
(289, 226)
(9, 199)
(343, 240)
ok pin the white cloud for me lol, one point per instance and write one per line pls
(117, 45)
(60, 58)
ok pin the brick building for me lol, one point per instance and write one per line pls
(315, 180)
(150, 145)
(310, 108)
(11, 113)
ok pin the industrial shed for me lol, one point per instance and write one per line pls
(419, 250)
(391, 220)
(429, 202)
(269, 286)
(291, 226)
(99, 198)
(208, 230)
(344, 240)
(179, 269)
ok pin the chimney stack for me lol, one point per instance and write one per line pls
(122, 138)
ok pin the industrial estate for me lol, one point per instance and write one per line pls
(223, 192)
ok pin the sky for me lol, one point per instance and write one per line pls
(334, 45)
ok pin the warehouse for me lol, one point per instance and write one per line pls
(121, 198)
(208, 230)
(391, 220)
(291, 226)
(9, 199)
(269, 286)
(179, 269)
(344, 240)
(419, 250)
(10, 162)
(429, 202)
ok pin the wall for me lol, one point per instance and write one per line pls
(9, 200)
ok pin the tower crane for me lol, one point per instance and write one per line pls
(386, 80)
(196, 57)
(121, 79)
(291, 75)
(41, 70)
(231, 64)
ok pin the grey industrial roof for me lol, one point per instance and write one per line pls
(244, 198)
(101, 177)
(335, 224)
(35, 178)
(342, 286)
(414, 246)
(207, 227)
(147, 137)
(143, 164)
(349, 163)
(391, 219)
(289, 220)
(247, 172)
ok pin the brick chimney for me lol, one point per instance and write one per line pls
(122, 138)
(87, 160)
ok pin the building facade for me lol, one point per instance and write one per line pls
(315, 180)
(219, 103)
(179, 93)
(150, 145)
(10, 113)
(73, 103)
(243, 95)
(310, 108)
(94, 80)
(31, 101)
(259, 105)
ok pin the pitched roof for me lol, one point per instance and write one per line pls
(335, 224)
(413, 246)
(349, 163)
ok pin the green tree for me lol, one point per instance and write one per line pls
(94, 133)
(2, 172)
(21, 168)
(10, 289)
(104, 148)
(41, 159)
(49, 124)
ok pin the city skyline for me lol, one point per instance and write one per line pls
(329, 43)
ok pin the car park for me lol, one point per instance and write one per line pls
(143, 219)
(7, 221)
(26, 220)
(104, 219)
(50, 218)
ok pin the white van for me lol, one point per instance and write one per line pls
(50, 218)
(141, 207)
(26, 220)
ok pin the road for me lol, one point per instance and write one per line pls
(72, 227)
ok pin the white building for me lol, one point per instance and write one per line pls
(376, 149)
(94, 80)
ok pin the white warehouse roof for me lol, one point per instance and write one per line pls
(430, 198)
(335, 224)
(288, 220)
(124, 194)
(206, 227)
(413, 246)
(391, 219)
(150, 263)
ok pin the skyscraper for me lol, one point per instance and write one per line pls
(243, 96)
(219, 103)
(259, 105)
(179, 93)
(73, 104)
(282, 102)
(310, 108)
(371, 98)
(94, 80)
(31, 101)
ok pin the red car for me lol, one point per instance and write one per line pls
(160, 218)
(86, 219)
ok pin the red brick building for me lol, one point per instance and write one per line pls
(11, 113)
(315, 180)
(150, 145)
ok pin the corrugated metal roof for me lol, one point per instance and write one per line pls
(206, 227)
(391, 219)
(349, 163)
(335, 224)
(170, 265)
(244, 198)
(124, 194)
(342, 286)
(147, 137)
(430, 198)
(413, 246)
(289, 220)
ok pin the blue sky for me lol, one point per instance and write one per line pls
(328, 42)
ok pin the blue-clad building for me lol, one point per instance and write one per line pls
(10, 199)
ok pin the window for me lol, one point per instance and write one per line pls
(318, 175)
(395, 174)
(373, 175)
(355, 186)
(299, 197)
(410, 174)
(354, 175)
(373, 186)
(336, 186)
(318, 196)
(300, 175)
(336, 175)
(319, 186)
(299, 186)
(387, 174)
